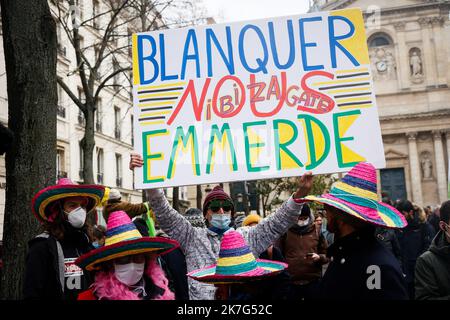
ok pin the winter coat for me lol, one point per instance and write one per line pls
(298, 242)
(50, 268)
(388, 238)
(361, 268)
(201, 246)
(414, 240)
(432, 277)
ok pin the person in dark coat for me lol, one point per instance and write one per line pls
(50, 271)
(388, 237)
(360, 267)
(173, 263)
(305, 249)
(414, 240)
(432, 273)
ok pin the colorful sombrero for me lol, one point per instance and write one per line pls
(123, 239)
(236, 263)
(44, 202)
(356, 194)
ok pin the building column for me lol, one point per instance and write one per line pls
(437, 23)
(428, 55)
(402, 55)
(416, 183)
(447, 137)
(440, 165)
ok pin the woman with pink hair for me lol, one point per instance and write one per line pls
(126, 267)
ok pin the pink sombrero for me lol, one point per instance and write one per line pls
(123, 239)
(236, 263)
(44, 203)
(356, 194)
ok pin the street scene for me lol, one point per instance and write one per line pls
(225, 150)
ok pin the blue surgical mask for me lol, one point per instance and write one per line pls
(221, 221)
(95, 244)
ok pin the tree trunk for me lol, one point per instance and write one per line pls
(176, 198)
(88, 143)
(29, 41)
(199, 196)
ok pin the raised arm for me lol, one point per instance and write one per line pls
(270, 229)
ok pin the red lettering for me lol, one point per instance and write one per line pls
(232, 111)
(325, 104)
(282, 97)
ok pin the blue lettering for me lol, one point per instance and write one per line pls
(191, 37)
(227, 60)
(304, 45)
(261, 63)
(162, 46)
(150, 58)
(273, 46)
(334, 40)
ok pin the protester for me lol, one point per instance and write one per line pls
(360, 267)
(50, 272)
(318, 221)
(115, 203)
(277, 287)
(304, 248)
(434, 219)
(173, 263)
(414, 240)
(432, 272)
(388, 237)
(201, 246)
(126, 267)
(236, 272)
(98, 235)
(195, 217)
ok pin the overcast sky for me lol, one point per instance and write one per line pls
(238, 10)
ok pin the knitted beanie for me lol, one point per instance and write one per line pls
(216, 194)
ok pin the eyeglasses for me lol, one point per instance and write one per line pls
(215, 205)
(136, 258)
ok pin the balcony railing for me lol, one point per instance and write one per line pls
(119, 182)
(61, 111)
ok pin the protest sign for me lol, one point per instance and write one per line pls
(253, 100)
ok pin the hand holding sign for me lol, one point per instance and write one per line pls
(135, 161)
(305, 183)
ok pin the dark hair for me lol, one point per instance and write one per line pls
(445, 211)
(404, 206)
(306, 211)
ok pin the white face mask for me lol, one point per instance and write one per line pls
(77, 217)
(129, 273)
(303, 223)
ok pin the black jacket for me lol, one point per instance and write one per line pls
(432, 281)
(44, 271)
(414, 240)
(353, 270)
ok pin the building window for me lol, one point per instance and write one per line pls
(116, 67)
(117, 130)
(82, 98)
(95, 12)
(60, 110)
(118, 170)
(379, 40)
(98, 116)
(80, 171)
(99, 165)
(60, 167)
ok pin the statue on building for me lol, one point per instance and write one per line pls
(416, 67)
(427, 166)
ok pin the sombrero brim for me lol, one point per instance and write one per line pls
(158, 245)
(208, 274)
(44, 198)
(384, 215)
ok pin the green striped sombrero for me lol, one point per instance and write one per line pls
(44, 203)
(123, 239)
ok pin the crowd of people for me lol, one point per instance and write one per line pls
(354, 247)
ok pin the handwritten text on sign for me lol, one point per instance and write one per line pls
(251, 100)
